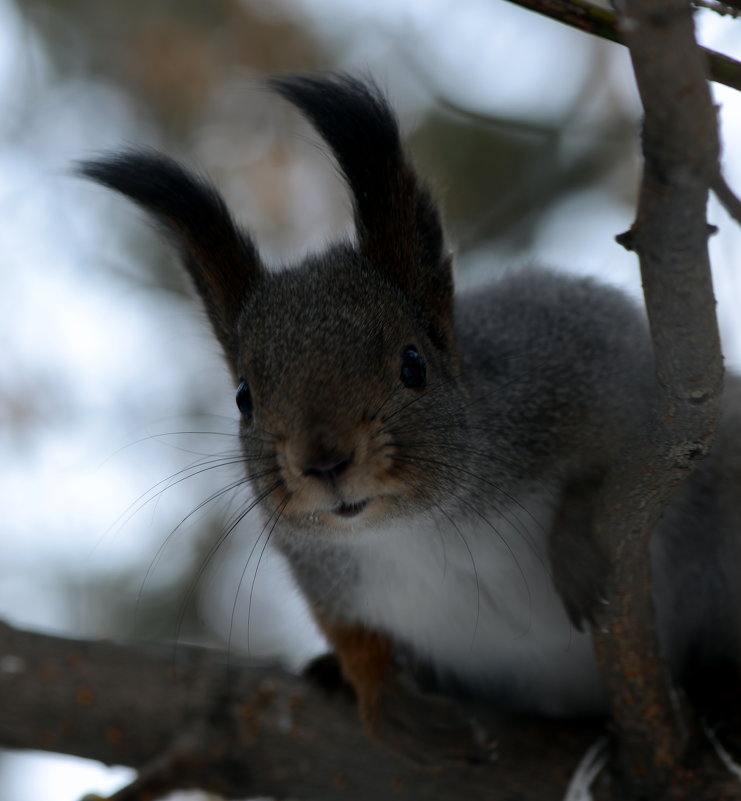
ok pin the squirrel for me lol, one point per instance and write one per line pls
(427, 460)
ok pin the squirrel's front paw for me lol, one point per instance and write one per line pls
(581, 584)
(578, 559)
(425, 729)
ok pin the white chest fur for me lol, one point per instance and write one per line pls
(476, 601)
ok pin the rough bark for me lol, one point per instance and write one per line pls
(680, 148)
(187, 718)
(590, 18)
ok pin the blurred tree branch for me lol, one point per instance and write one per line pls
(604, 23)
(193, 719)
(723, 7)
(727, 197)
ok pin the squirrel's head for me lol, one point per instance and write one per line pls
(345, 365)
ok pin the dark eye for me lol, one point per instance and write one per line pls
(413, 370)
(244, 399)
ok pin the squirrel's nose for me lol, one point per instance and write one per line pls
(328, 468)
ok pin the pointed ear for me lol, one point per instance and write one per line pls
(221, 259)
(397, 221)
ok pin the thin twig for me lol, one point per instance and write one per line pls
(727, 197)
(603, 23)
(723, 7)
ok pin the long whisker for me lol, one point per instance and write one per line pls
(162, 435)
(213, 551)
(473, 566)
(277, 512)
(440, 383)
(469, 401)
(190, 471)
(517, 524)
(414, 463)
(211, 498)
(153, 493)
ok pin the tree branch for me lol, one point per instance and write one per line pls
(730, 8)
(680, 147)
(603, 23)
(727, 197)
(192, 719)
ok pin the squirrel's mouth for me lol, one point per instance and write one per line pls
(349, 510)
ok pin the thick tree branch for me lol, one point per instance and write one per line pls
(680, 146)
(603, 23)
(189, 719)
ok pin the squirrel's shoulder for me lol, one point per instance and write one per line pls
(559, 364)
(552, 317)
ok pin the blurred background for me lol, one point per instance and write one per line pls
(117, 417)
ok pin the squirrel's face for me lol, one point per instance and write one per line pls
(348, 408)
(346, 367)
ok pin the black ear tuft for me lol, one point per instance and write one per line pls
(221, 259)
(398, 223)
